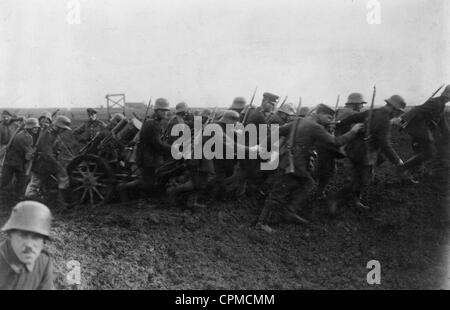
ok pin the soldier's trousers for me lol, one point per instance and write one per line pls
(361, 177)
(37, 181)
(20, 180)
(288, 193)
(325, 170)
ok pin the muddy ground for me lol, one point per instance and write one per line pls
(148, 244)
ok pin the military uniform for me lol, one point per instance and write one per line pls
(15, 275)
(290, 190)
(19, 153)
(251, 176)
(327, 155)
(151, 149)
(364, 156)
(87, 131)
(419, 123)
(46, 164)
(7, 130)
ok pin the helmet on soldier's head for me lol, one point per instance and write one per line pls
(30, 216)
(63, 122)
(161, 104)
(397, 102)
(287, 108)
(446, 92)
(206, 113)
(238, 104)
(181, 107)
(355, 98)
(31, 122)
(46, 115)
(303, 111)
(229, 117)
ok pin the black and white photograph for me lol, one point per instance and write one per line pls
(224, 150)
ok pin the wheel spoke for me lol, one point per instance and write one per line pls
(98, 193)
(84, 194)
(91, 197)
(78, 188)
(78, 179)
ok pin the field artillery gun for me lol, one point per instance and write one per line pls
(105, 164)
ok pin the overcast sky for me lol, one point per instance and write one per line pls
(206, 52)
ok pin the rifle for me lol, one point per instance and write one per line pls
(247, 111)
(291, 139)
(336, 107)
(437, 90)
(284, 101)
(148, 107)
(403, 123)
(299, 106)
(368, 125)
(54, 114)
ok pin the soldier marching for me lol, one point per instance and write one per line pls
(310, 144)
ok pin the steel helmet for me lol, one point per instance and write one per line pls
(446, 92)
(229, 117)
(206, 113)
(161, 104)
(46, 115)
(356, 98)
(181, 107)
(397, 102)
(30, 216)
(238, 104)
(287, 108)
(63, 122)
(303, 111)
(31, 122)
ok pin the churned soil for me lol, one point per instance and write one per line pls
(149, 244)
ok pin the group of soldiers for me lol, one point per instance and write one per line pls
(311, 143)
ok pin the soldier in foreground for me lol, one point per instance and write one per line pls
(363, 152)
(17, 156)
(87, 131)
(293, 180)
(151, 150)
(46, 164)
(24, 264)
(420, 123)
